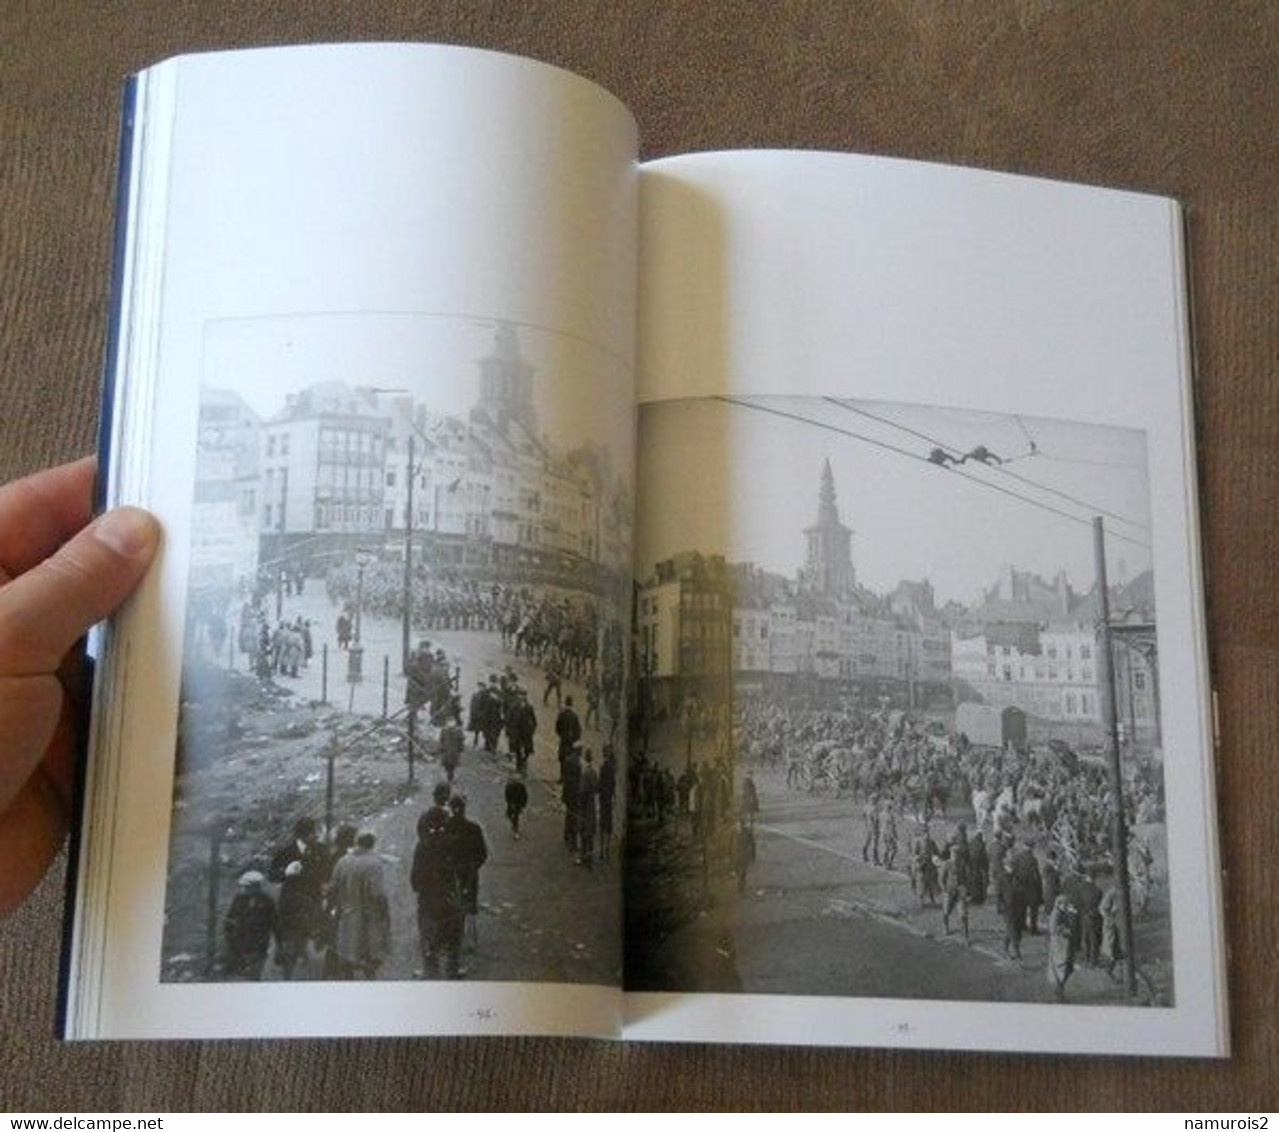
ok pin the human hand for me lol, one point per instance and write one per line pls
(59, 574)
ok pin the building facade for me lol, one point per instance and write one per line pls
(1034, 645)
(224, 521)
(819, 633)
(323, 473)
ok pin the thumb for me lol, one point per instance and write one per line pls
(46, 610)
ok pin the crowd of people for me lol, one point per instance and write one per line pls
(570, 636)
(321, 909)
(719, 820)
(1041, 821)
(914, 768)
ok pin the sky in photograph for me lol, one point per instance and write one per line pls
(580, 392)
(742, 481)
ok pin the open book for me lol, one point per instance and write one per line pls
(738, 597)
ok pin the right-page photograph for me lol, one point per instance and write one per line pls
(874, 756)
(922, 750)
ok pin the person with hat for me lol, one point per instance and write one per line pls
(606, 793)
(467, 851)
(248, 926)
(516, 796)
(358, 892)
(296, 912)
(452, 742)
(521, 727)
(475, 712)
(956, 874)
(568, 730)
(570, 785)
(1063, 943)
(431, 879)
(492, 714)
(588, 786)
(417, 680)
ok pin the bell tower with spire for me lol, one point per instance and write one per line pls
(506, 382)
(828, 567)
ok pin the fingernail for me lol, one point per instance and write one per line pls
(126, 530)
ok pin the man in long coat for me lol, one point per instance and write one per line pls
(467, 851)
(432, 880)
(521, 726)
(476, 711)
(568, 730)
(570, 784)
(358, 896)
(588, 786)
(606, 794)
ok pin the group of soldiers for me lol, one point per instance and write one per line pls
(701, 793)
(1081, 916)
(702, 797)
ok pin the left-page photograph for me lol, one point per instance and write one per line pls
(358, 743)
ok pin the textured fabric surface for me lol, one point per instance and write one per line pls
(1180, 99)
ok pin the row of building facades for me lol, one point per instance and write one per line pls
(1026, 643)
(335, 468)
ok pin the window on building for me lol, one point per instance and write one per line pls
(1052, 652)
(1070, 703)
(1085, 652)
(1139, 681)
(270, 445)
(266, 516)
(390, 479)
(1085, 704)
(284, 444)
(1086, 675)
(1008, 672)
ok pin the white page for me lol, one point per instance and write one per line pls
(374, 215)
(933, 296)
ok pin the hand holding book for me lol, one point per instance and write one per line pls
(59, 574)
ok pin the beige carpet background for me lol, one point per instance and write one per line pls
(1181, 99)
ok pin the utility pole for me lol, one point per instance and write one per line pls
(1110, 719)
(411, 472)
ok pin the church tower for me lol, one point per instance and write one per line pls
(506, 383)
(828, 568)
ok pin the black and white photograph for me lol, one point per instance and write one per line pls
(897, 728)
(404, 670)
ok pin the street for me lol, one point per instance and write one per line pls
(817, 919)
(542, 916)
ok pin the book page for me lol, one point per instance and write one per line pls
(357, 738)
(902, 429)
